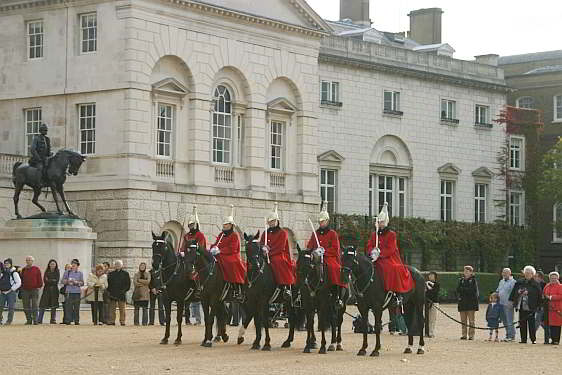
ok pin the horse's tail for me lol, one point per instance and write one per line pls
(16, 166)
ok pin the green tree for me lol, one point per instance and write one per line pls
(550, 183)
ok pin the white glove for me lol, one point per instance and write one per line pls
(182, 254)
(375, 253)
(265, 249)
(429, 285)
(215, 250)
(320, 251)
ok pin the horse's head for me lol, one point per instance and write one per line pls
(191, 255)
(75, 160)
(159, 247)
(254, 253)
(349, 263)
(305, 263)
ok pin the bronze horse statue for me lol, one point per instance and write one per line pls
(62, 163)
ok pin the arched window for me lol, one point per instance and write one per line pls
(525, 102)
(222, 125)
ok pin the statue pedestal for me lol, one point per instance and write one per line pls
(59, 238)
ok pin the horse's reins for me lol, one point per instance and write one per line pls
(259, 273)
(320, 281)
(370, 280)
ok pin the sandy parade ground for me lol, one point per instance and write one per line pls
(88, 349)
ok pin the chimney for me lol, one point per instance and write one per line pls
(355, 10)
(489, 59)
(425, 25)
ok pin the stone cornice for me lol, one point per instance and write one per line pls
(411, 72)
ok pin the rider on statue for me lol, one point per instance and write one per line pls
(326, 243)
(194, 234)
(227, 249)
(40, 151)
(277, 247)
(396, 276)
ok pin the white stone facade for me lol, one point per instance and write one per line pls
(176, 53)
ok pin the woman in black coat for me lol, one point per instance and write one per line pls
(526, 297)
(467, 294)
(50, 296)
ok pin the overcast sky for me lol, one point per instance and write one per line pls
(475, 27)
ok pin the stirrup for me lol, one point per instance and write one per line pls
(275, 295)
(387, 299)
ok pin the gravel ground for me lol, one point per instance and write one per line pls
(91, 349)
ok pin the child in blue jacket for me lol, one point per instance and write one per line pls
(493, 315)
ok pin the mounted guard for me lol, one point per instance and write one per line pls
(227, 249)
(383, 250)
(194, 233)
(326, 243)
(275, 244)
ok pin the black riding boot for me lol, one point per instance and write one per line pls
(340, 295)
(287, 294)
(237, 293)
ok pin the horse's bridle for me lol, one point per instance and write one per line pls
(360, 293)
(158, 273)
(312, 289)
(261, 263)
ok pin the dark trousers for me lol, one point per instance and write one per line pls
(157, 299)
(97, 312)
(72, 308)
(555, 334)
(527, 323)
(30, 299)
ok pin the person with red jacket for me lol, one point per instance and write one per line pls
(553, 294)
(30, 285)
(327, 243)
(194, 233)
(227, 249)
(385, 254)
(275, 243)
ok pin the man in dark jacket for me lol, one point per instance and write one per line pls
(156, 299)
(119, 282)
(526, 297)
(467, 294)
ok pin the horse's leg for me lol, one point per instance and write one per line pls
(208, 325)
(322, 320)
(221, 322)
(164, 341)
(179, 316)
(292, 322)
(364, 312)
(54, 192)
(312, 334)
(339, 346)
(17, 192)
(63, 198)
(420, 322)
(245, 323)
(378, 329)
(258, 322)
(265, 312)
(35, 199)
(333, 325)
(309, 330)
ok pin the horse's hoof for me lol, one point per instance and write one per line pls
(18, 216)
(339, 348)
(313, 345)
(421, 351)
(407, 351)
(177, 342)
(362, 352)
(306, 349)
(164, 342)
(255, 346)
(217, 339)
(322, 350)
(207, 344)
(375, 353)
(286, 344)
(225, 338)
(331, 348)
(266, 348)
(240, 340)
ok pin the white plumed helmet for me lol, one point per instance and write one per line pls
(324, 215)
(383, 215)
(194, 218)
(273, 215)
(229, 219)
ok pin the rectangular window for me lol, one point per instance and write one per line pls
(515, 208)
(558, 108)
(32, 122)
(391, 101)
(401, 197)
(328, 186)
(330, 93)
(482, 115)
(35, 39)
(390, 189)
(448, 109)
(88, 32)
(447, 200)
(480, 196)
(164, 124)
(557, 220)
(515, 153)
(87, 121)
(240, 137)
(276, 141)
(385, 192)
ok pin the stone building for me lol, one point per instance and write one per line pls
(184, 102)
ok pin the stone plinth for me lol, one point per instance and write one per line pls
(60, 238)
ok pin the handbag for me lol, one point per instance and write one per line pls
(62, 290)
(136, 294)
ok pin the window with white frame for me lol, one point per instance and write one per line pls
(557, 108)
(447, 200)
(448, 109)
(480, 202)
(32, 121)
(276, 144)
(328, 187)
(391, 101)
(35, 39)
(525, 102)
(516, 206)
(557, 221)
(516, 153)
(330, 92)
(389, 189)
(164, 127)
(222, 125)
(240, 137)
(87, 125)
(88, 32)
(482, 115)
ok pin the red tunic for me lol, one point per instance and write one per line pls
(396, 275)
(230, 261)
(280, 256)
(198, 236)
(555, 304)
(330, 242)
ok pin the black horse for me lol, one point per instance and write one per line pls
(64, 161)
(368, 285)
(211, 287)
(261, 288)
(316, 295)
(173, 279)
